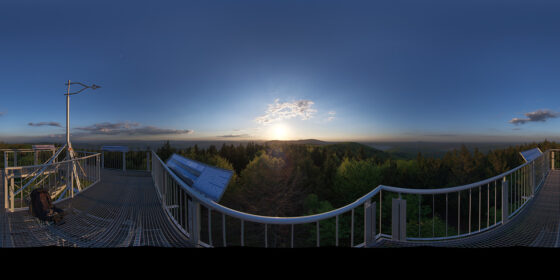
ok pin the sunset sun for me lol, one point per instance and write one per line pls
(279, 132)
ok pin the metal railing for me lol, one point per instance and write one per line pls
(62, 179)
(133, 160)
(401, 214)
(24, 157)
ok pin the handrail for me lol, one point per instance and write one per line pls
(330, 214)
(21, 178)
(47, 164)
(38, 172)
(266, 219)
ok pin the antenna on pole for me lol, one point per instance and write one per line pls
(70, 155)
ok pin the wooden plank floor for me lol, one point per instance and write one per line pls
(536, 226)
(122, 210)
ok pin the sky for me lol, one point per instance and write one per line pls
(240, 70)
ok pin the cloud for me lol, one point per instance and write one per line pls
(234, 136)
(332, 115)
(152, 130)
(129, 128)
(537, 116)
(2, 113)
(287, 110)
(45, 124)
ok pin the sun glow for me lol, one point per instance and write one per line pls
(279, 132)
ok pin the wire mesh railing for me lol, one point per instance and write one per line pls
(62, 180)
(130, 160)
(401, 214)
(24, 157)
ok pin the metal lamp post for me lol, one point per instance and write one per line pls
(70, 152)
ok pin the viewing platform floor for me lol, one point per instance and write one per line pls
(122, 210)
(535, 226)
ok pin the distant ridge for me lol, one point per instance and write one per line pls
(356, 148)
(340, 148)
(301, 142)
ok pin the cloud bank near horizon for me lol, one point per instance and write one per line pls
(55, 124)
(129, 128)
(537, 116)
(234, 136)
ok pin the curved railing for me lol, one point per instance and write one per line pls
(63, 179)
(23, 157)
(457, 211)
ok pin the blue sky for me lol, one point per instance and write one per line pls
(330, 70)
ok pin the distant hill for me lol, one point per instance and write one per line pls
(410, 150)
(350, 149)
(354, 148)
(301, 142)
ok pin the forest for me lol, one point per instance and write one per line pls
(287, 179)
(284, 179)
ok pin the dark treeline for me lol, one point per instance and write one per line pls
(279, 179)
(14, 146)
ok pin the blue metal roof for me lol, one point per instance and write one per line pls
(531, 154)
(209, 180)
(115, 148)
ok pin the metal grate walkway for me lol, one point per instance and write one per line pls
(122, 210)
(536, 226)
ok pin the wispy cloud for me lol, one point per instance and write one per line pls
(537, 116)
(332, 115)
(287, 110)
(130, 128)
(2, 113)
(56, 124)
(234, 136)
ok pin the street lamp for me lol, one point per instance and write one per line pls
(71, 170)
(70, 152)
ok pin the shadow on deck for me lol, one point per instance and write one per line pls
(122, 210)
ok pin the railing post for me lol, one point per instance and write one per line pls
(102, 159)
(370, 224)
(98, 166)
(533, 179)
(505, 201)
(124, 161)
(35, 157)
(552, 158)
(164, 189)
(70, 178)
(15, 158)
(5, 189)
(147, 161)
(398, 219)
(12, 198)
(153, 163)
(194, 220)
